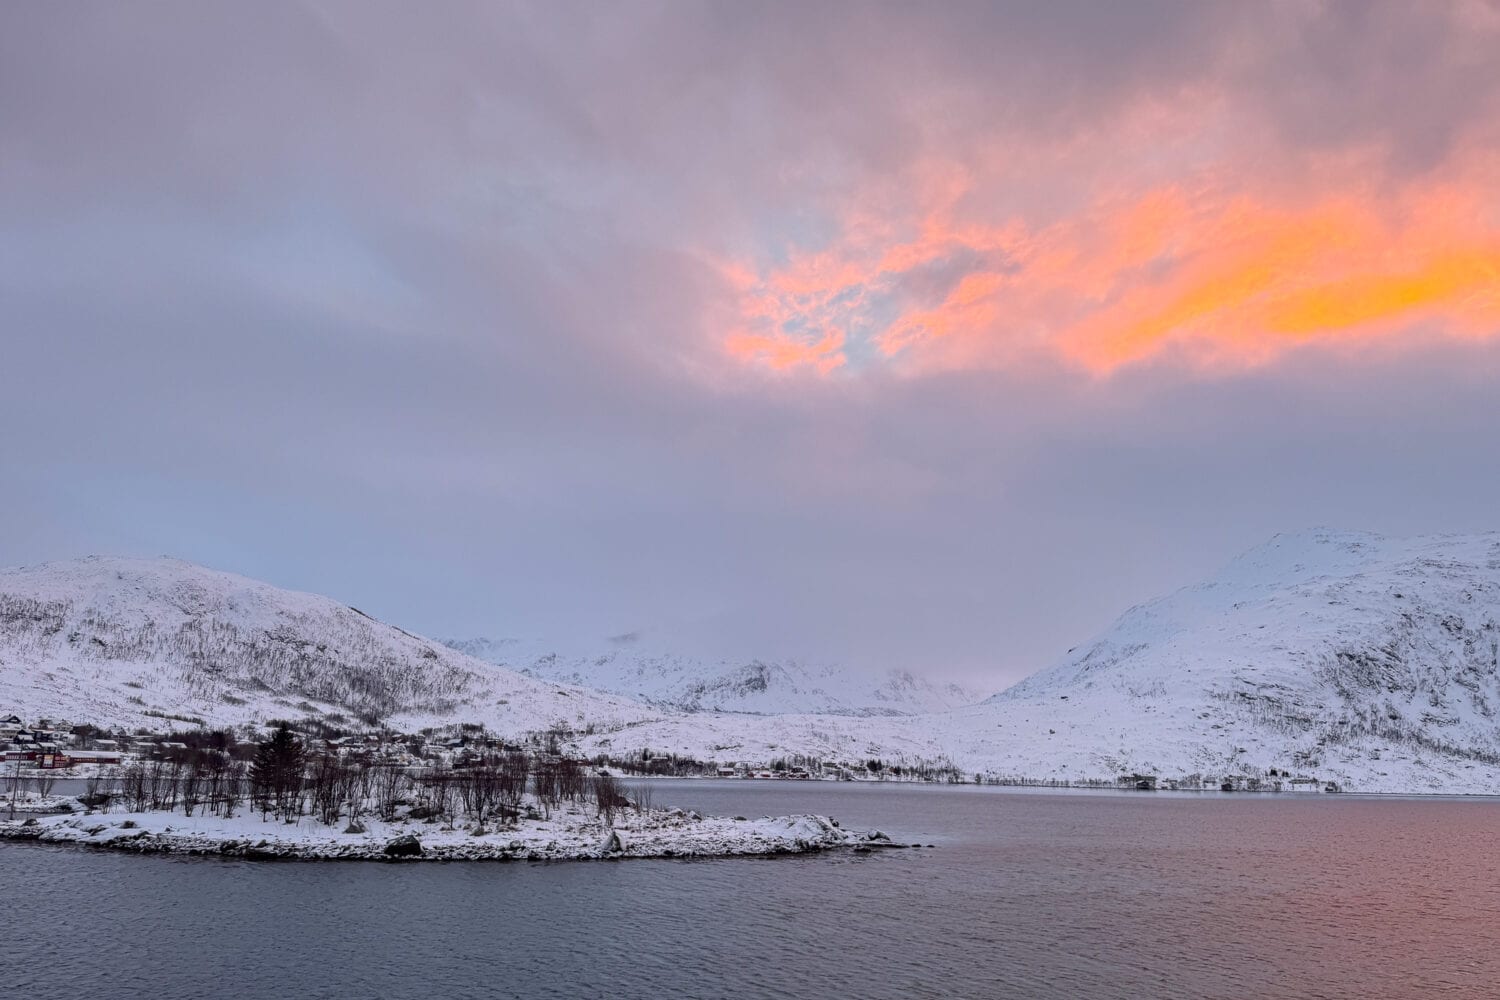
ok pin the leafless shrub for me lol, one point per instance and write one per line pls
(329, 780)
(439, 784)
(572, 780)
(640, 797)
(192, 782)
(479, 787)
(235, 782)
(391, 784)
(133, 787)
(546, 783)
(513, 768)
(607, 796)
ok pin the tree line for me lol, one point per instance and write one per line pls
(286, 780)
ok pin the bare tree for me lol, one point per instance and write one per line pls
(546, 783)
(43, 781)
(215, 773)
(192, 782)
(94, 795)
(328, 783)
(607, 796)
(174, 769)
(440, 791)
(640, 797)
(479, 788)
(235, 784)
(572, 780)
(391, 785)
(156, 779)
(513, 768)
(133, 787)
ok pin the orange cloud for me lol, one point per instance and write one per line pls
(1229, 275)
(1462, 281)
(781, 352)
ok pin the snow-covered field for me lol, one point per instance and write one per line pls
(570, 833)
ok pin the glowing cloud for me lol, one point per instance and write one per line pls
(1220, 273)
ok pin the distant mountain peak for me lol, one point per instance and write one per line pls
(697, 684)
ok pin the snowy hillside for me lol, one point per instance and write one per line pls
(622, 666)
(1342, 656)
(1338, 656)
(153, 642)
(1337, 652)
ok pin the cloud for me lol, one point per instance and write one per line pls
(862, 331)
(1227, 276)
(1192, 216)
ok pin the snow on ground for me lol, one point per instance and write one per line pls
(28, 801)
(569, 834)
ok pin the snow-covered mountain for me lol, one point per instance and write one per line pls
(1344, 656)
(153, 642)
(623, 666)
(1333, 652)
(1341, 656)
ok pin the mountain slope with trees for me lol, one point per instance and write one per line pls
(152, 642)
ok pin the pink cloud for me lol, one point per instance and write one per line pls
(1218, 264)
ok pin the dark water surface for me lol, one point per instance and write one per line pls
(1037, 895)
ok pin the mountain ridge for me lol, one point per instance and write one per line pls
(1368, 662)
(624, 666)
(1345, 657)
(122, 641)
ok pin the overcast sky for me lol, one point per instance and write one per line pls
(849, 332)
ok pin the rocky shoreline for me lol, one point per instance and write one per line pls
(564, 837)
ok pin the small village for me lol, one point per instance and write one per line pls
(36, 753)
(40, 751)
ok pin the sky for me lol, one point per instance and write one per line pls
(859, 333)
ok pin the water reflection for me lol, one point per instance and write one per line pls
(1025, 895)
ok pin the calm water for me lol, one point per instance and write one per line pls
(1036, 895)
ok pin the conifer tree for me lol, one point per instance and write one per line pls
(276, 771)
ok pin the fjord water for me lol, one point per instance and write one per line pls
(1025, 894)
